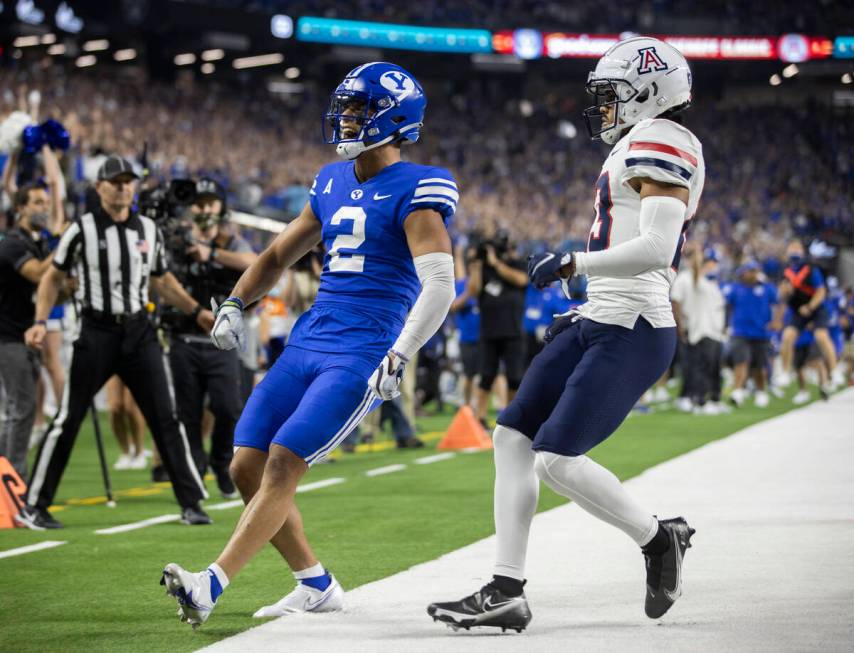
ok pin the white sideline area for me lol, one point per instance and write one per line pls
(772, 567)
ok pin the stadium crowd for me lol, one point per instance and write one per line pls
(729, 16)
(527, 185)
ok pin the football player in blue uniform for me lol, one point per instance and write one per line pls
(386, 286)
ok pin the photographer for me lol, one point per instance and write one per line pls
(498, 279)
(208, 260)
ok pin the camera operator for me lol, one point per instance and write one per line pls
(209, 260)
(498, 279)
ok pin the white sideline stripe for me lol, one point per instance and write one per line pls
(308, 487)
(434, 459)
(124, 528)
(226, 505)
(165, 519)
(21, 550)
(379, 471)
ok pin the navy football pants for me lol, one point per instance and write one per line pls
(583, 384)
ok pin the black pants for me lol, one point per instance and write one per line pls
(495, 350)
(199, 368)
(703, 371)
(130, 350)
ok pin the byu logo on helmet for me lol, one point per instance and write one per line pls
(650, 61)
(398, 83)
(376, 103)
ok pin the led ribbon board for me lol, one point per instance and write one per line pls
(385, 35)
(530, 44)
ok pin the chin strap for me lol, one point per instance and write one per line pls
(352, 149)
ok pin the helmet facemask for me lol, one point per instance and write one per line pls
(610, 94)
(363, 112)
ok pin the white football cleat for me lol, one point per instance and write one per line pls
(802, 397)
(192, 591)
(306, 599)
(124, 462)
(684, 405)
(782, 380)
(761, 399)
(660, 394)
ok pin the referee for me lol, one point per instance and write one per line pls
(114, 253)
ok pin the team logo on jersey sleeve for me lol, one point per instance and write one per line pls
(650, 61)
(399, 84)
(357, 194)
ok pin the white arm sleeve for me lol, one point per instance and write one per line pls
(661, 221)
(436, 272)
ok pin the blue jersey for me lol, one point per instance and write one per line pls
(468, 317)
(369, 283)
(752, 309)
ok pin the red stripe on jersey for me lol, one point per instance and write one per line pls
(666, 149)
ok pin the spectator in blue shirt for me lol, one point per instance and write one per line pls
(751, 308)
(540, 308)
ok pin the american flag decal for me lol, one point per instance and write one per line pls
(142, 246)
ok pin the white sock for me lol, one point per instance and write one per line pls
(311, 572)
(220, 575)
(516, 492)
(598, 491)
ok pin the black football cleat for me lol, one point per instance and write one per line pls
(664, 572)
(195, 516)
(486, 607)
(36, 519)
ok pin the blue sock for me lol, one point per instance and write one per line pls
(319, 583)
(219, 581)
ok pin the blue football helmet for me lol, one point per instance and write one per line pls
(381, 102)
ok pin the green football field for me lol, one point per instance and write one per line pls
(101, 592)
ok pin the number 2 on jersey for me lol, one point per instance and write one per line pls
(600, 232)
(354, 262)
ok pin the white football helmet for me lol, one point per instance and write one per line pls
(641, 78)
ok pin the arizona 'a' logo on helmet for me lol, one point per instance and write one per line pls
(650, 61)
(635, 79)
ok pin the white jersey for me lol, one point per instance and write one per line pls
(656, 149)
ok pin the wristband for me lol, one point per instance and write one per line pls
(234, 300)
(195, 312)
(212, 257)
(41, 322)
(397, 354)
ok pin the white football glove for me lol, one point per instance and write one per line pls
(229, 330)
(385, 380)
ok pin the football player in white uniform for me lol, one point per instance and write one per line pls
(600, 359)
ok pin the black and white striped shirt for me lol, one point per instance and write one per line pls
(112, 260)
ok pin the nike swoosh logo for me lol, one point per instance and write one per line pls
(543, 262)
(377, 196)
(673, 594)
(488, 606)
